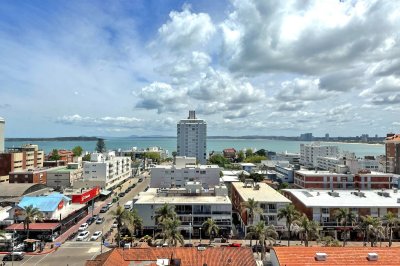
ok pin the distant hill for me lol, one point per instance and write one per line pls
(55, 139)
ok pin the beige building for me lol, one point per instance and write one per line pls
(64, 177)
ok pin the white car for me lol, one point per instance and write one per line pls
(96, 235)
(110, 204)
(82, 236)
(114, 225)
(83, 227)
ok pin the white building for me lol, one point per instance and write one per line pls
(167, 176)
(193, 205)
(270, 202)
(309, 153)
(293, 158)
(106, 170)
(192, 138)
(2, 124)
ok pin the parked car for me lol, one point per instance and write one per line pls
(114, 225)
(104, 209)
(96, 235)
(90, 220)
(110, 204)
(127, 190)
(82, 236)
(72, 236)
(83, 227)
(99, 220)
(13, 256)
(147, 188)
(133, 186)
(122, 194)
(140, 180)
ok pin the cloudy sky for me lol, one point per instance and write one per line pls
(120, 68)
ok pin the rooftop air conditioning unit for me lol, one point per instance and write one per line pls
(398, 200)
(201, 248)
(319, 256)
(372, 256)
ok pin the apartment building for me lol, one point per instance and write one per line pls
(105, 171)
(34, 176)
(364, 179)
(270, 202)
(192, 138)
(309, 153)
(64, 177)
(20, 159)
(193, 205)
(167, 176)
(392, 149)
(320, 205)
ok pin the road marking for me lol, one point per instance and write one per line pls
(27, 260)
(91, 250)
(43, 258)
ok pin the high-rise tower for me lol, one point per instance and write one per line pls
(192, 138)
(2, 124)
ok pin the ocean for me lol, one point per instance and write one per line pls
(360, 149)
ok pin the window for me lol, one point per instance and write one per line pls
(325, 211)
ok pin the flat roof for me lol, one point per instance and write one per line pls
(33, 226)
(328, 173)
(264, 194)
(201, 166)
(357, 256)
(151, 197)
(63, 169)
(346, 198)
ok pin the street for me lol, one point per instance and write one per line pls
(74, 253)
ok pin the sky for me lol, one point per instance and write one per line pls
(121, 68)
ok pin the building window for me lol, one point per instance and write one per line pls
(325, 211)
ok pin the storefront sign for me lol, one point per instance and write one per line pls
(61, 204)
(86, 196)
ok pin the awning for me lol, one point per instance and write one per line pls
(34, 227)
(105, 192)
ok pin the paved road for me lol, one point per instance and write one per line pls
(74, 253)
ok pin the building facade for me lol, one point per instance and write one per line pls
(193, 205)
(64, 177)
(309, 153)
(192, 138)
(34, 176)
(270, 202)
(330, 180)
(392, 149)
(106, 170)
(2, 125)
(167, 176)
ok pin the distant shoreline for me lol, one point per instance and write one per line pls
(55, 139)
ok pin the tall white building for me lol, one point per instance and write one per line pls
(2, 124)
(192, 138)
(309, 153)
(106, 170)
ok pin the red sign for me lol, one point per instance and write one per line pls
(86, 196)
(61, 204)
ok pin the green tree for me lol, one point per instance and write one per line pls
(54, 156)
(344, 217)
(154, 156)
(390, 220)
(132, 222)
(262, 233)
(283, 185)
(218, 159)
(240, 157)
(170, 232)
(257, 177)
(100, 146)
(328, 241)
(261, 152)
(252, 207)
(31, 214)
(211, 227)
(309, 229)
(86, 157)
(165, 212)
(372, 229)
(249, 153)
(290, 214)
(120, 214)
(255, 159)
(77, 150)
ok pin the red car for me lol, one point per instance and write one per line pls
(235, 245)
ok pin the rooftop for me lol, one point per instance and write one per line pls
(199, 166)
(328, 173)
(265, 193)
(33, 226)
(47, 203)
(187, 256)
(17, 190)
(346, 198)
(152, 197)
(357, 256)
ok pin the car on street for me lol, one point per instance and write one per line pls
(104, 209)
(83, 227)
(82, 236)
(133, 186)
(140, 179)
(114, 225)
(90, 220)
(110, 204)
(96, 235)
(122, 194)
(99, 220)
(127, 190)
(147, 188)
(13, 256)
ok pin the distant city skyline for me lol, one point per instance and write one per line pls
(121, 68)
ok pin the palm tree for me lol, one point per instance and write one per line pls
(308, 229)
(164, 212)
(170, 232)
(211, 227)
(391, 221)
(263, 233)
(31, 214)
(133, 222)
(120, 214)
(345, 217)
(290, 214)
(252, 208)
(372, 229)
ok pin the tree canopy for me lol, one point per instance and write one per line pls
(218, 159)
(54, 155)
(100, 146)
(77, 150)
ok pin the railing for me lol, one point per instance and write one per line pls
(221, 212)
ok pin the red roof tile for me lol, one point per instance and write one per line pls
(33, 226)
(357, 256)
(187, 256)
